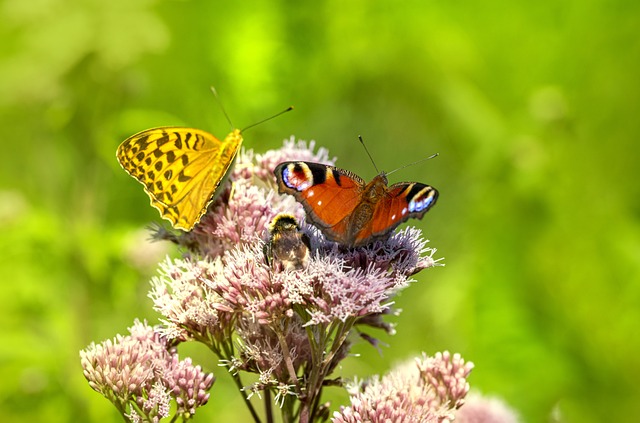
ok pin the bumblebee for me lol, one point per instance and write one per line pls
(288, 247)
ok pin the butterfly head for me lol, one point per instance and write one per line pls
(377, 188)
(234, 137)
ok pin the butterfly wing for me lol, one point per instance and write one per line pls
(328, 194)
(180, 169)
(401, 201)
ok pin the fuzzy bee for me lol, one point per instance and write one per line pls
(288, 246)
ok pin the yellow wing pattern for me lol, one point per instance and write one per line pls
(180, 169)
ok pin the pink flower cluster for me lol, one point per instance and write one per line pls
(481, 409)
(141, 373)
(228, 271)
(427, 391)
(288, 326)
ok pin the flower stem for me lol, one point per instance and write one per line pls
(287, 358)
(236, 378)
(267, 405)
(247, 401)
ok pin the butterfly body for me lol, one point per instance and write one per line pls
(348, 210)
(180, 169)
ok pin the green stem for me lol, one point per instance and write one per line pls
(318, 370)
(267, 405)
(339, 332)
(247, 401)
(338, 340)
(236, 378)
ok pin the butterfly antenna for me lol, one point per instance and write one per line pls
(368, 154)
(224, 112)
(288, 109)
(414, 163)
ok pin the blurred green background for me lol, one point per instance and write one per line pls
(534, 108)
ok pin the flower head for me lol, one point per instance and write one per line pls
(190, 308)
(142, 368)
(189, 385)
(428, 390)
(261, 349)
(481, 409)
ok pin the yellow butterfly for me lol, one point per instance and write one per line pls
(180, 169)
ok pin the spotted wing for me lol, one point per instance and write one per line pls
(180, 169)
(402, 201)
(328, 194)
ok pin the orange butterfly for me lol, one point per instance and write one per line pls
(348, 210)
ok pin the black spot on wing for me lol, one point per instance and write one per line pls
(162, 141)
(187, 138)
(415, 189)
(182, 177)
(336, 176)
(319, 173)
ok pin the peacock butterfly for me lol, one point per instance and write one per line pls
(345, 208)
